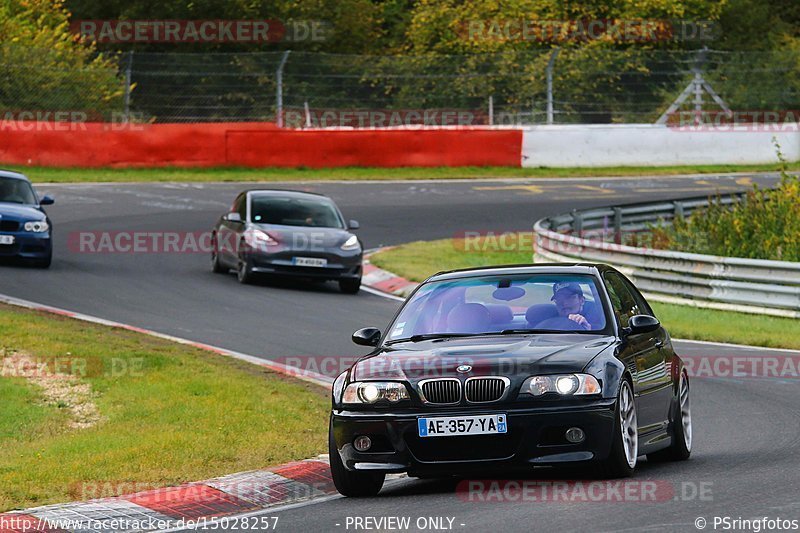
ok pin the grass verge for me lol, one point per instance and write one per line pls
(78, 175)
(418, 260)
(170, 413)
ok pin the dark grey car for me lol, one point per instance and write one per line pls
(287, 233)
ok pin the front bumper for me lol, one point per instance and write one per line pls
(27, 245)
(535, 437)
(342, 265)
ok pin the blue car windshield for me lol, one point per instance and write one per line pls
(16, 191)
(495, 304)
(290, 211)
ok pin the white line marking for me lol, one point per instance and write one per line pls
(382, 294)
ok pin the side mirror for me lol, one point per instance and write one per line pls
(642, 324)
(47, 200)
(367, 336)
(233, 217)
(353, 224)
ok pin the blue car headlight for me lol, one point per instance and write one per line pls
(37, 226)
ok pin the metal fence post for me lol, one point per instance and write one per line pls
(618, 225)
(549, 73)
(491, 110)
(128, 74)
(279, 89)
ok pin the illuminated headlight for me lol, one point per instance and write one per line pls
(255, 238)
(351, 243)
(564, 385)
(373, 391)
(37, 226)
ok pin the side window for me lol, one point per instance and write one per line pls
(623, 302)
(641, 304)
(240, 206)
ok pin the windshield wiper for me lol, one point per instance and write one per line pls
(429, 336)
(523, 331)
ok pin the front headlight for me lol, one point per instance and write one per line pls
(351, 243)
(369, 392)
(255, 238)
(564, 385)
(38, 226)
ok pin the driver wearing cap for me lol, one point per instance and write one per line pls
(569, 301)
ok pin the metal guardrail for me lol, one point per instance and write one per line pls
(730, 283)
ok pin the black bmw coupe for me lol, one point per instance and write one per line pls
(511, 367)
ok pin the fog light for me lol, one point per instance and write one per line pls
(575, 435)
(362, 443)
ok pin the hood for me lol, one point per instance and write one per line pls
(20, 212)
(294, 237)
(501, 356)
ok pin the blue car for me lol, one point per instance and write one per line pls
(25, 229)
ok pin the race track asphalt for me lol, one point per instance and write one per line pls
(747, 430)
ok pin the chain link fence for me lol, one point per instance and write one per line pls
(302, 89)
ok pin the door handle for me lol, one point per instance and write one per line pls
(659, 343)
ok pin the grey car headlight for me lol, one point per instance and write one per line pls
(369, 392)
(37, 226)
(564, 385)
(351, 243)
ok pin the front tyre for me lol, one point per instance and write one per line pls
(216, 266)
(352, 483)
(621, 462)
(681, 447)
(244, 272)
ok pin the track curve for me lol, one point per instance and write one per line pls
(747, 437)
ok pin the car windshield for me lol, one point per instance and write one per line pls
(16, 191)
(289, 211)
(501, 304)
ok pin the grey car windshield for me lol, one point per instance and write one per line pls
(16, 191)
(288, 211)
(495, 304)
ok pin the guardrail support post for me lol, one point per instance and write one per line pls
(678, 209)
(618, 225)
(577, 223)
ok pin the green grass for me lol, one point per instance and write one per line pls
(77, 175)
(418, 260)
(172, 414)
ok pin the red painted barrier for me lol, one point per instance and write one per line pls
(251, 145)
(375, 148)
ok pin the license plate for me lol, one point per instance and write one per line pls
(462, 425)
(309, 262)
(6, 239)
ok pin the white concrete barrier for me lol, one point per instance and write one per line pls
(605, 145)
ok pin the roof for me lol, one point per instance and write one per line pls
(538, 268)
(287, 193)
(13, 175)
